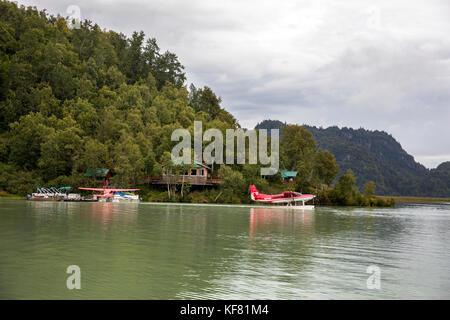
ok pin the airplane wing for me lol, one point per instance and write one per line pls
(107, 189)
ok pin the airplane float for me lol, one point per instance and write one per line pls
(287, 197)
(114, 195)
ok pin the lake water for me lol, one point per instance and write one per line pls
(148, 251)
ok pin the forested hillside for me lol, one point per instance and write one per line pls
(377, 156)
(76, 99)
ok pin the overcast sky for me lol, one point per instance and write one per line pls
(347, 63)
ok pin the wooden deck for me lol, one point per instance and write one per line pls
(193, 180)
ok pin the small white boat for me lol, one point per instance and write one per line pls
(53, 194)
(125, 197)
(115, 195)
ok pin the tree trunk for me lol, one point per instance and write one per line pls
(168, 183)
(182, 185)
(220, 193)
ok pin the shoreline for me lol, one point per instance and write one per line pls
(398, 199)
(6, 195)
(411, 199)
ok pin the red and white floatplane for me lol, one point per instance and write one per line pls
(287, 197)
(114, 195)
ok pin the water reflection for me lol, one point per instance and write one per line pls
(265, 220)
(97, 212)
(106, 212)
(271, 257)
(145, 251)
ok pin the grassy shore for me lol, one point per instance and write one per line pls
(6, 195)
(415, 199)
(161, 196)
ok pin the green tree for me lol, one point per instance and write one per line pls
(134, 63)
(204, 100)
(325, 167)
(25, 138)
(168, 166)
(297, 151)
(169, 70)
(233, 183)
(344, 188)
(369, 189)
(129, 161)
(59, 151)
(94, 155)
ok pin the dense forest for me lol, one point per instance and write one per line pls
(377, 156)
(74, 99)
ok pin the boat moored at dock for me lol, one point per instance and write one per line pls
(53, 194)
(114, 195)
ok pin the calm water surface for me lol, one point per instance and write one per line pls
(148, 251)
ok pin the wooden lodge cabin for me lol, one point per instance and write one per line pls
(96, 173)
(198, 174)
(100, 174)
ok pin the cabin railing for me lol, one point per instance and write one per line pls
(193, 180)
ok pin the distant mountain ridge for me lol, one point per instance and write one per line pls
(377, 156)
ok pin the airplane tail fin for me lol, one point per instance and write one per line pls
(253, 192)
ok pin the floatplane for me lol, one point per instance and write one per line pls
(287, 197)
(114, 195)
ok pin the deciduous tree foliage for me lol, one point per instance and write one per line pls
(298, 150)
(325, 167)
(75, 99)
(369, 189)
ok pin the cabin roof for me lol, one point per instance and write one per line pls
(288, 174)
(195, 165)
(96, 172)
(201, 165)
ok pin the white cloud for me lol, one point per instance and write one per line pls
(349, 62)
